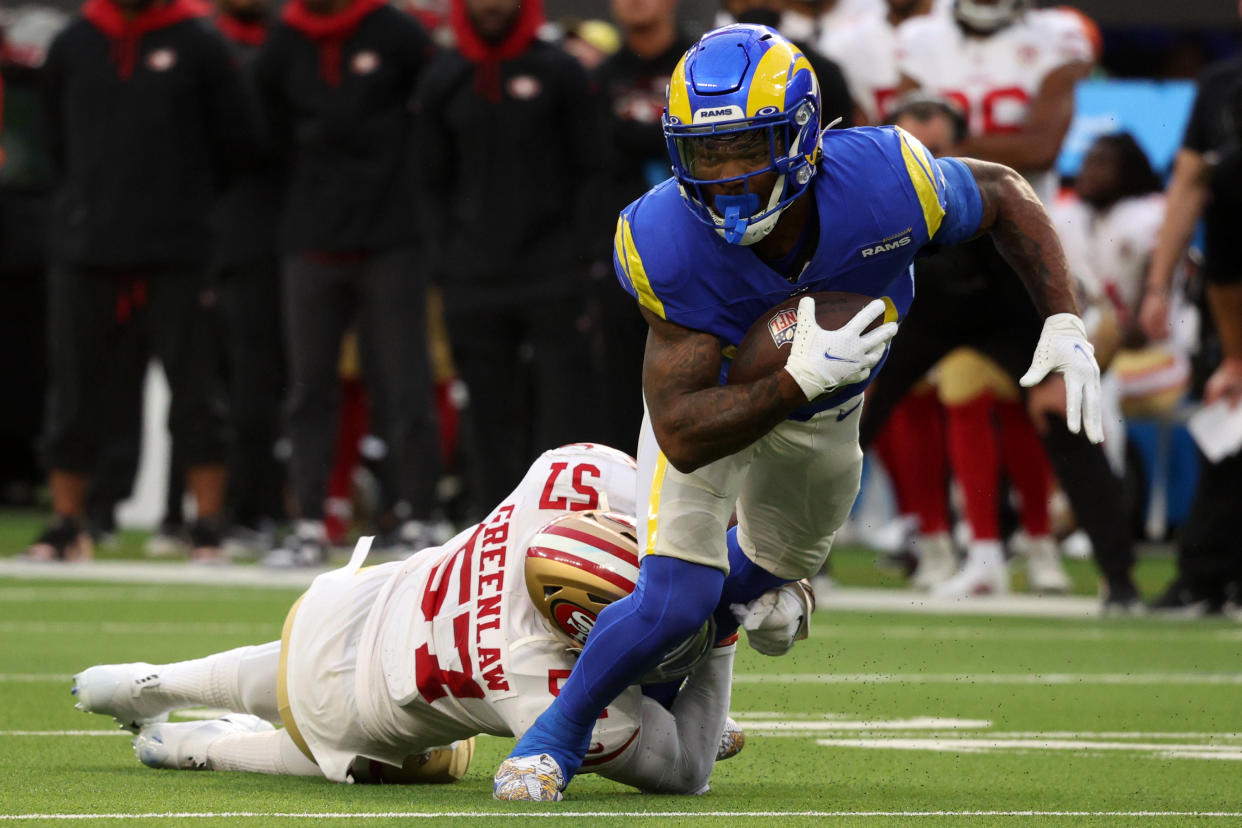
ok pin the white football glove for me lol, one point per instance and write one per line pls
(1063, 347)
(821, 360)
(777, 618)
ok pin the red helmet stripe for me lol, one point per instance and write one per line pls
(589, 539)
(583, 564)
(599, 760)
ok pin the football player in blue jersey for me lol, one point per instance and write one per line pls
(763, 206)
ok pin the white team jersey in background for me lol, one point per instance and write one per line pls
(1108, 250)
(866, 51)
(454, 646)
(994, 78)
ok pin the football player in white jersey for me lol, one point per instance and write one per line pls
(866, 50)
(1011, 69)
(1109, 233)
(385, 673)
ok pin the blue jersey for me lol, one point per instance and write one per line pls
(881, 197)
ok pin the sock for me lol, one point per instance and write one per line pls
(270, 752)
(1026, 466)
(972, 450)
(671, 600)
(920, 459)
(746, 582)
(243, 679)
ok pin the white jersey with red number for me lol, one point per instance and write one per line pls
(993, 78)
(1108, 250)
(866, 51)
(454, 646)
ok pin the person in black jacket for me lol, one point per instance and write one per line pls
(247, 276)
(336, 79)
(1207, 183)
(511, 151)
(145, 114)
(633, 81)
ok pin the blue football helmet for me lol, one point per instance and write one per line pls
(747, 91)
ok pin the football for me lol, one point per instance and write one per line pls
(766, 345)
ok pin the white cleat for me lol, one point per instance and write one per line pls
(528, 779)
(183, 745)
(1044, 572)
(937, 560)
(984, 573)
(122, 691)
(732, 740)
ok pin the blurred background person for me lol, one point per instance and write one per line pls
(973, 286)
(866, 50)
(633, 82)
(136, 90)
(336, 80)
(246, 273)
(510, 138)
(780, 14)
(26, 184)
(1207, 183)
(1018, 109)
(1109, 230)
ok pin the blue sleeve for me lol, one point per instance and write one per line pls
(963, 206)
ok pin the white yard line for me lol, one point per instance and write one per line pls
(117, 732)
(527, 814)
(989, 678)
(271, 630)
(1162, 750)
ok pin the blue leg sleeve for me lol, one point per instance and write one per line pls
(746, 582)
(672, 599)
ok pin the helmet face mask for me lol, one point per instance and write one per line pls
(986, 18)
(580, 562)
(743, 114)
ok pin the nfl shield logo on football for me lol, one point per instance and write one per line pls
(783, 326)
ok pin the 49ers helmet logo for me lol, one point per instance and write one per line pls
(573, 620)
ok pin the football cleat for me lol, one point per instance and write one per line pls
(62, 540)
(528, 779)
(306, 546)
(122, 691)
(937, 560)
(731, 741)
(984, 573)
(1044, 572)
(183, 745)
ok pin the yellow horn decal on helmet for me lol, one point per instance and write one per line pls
(769, 83)
(678, 98)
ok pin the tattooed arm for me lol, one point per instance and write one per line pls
(696, 420)
(1024, 235)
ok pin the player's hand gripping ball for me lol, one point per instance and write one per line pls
(825, 340)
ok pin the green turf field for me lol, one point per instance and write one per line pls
(876, 720)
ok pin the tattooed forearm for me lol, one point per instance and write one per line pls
(1024, 235)
(695, 420)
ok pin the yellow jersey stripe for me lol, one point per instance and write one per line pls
(627, 254)
(924, 181)
(653, 502)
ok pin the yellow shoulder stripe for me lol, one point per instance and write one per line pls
(627, 255)
(922, 176)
